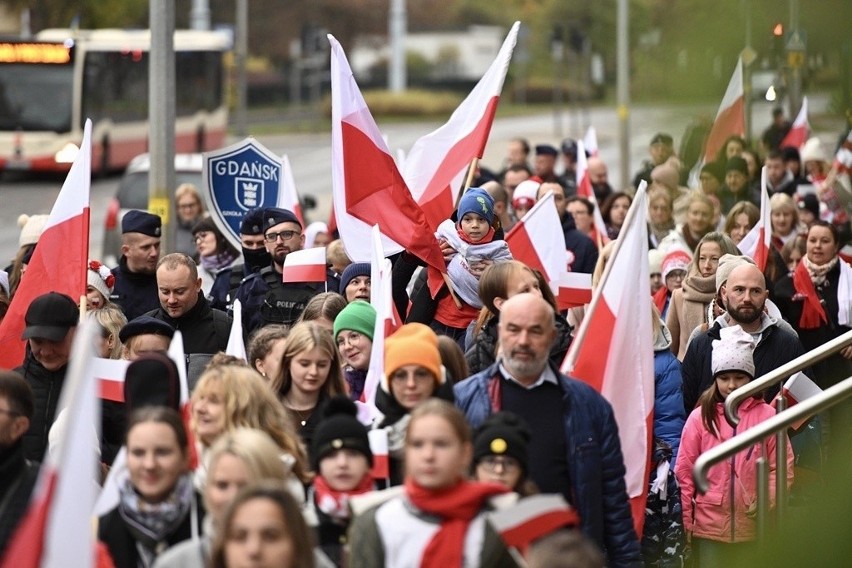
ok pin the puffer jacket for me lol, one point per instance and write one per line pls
(669, 416)
(46, 386)
(596, 465)
(483, 352)
(714, 515)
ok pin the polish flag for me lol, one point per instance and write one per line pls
(584, 189)
(109, 374)
(288, 197)
(57, 530)
(799, 388)
(757, 241)
(436, 165)
(367, 186)
(532, 518)
(615, 355)
(537, 240)
(379, 446)
(591, 141)
(798, 133)
(178, 355)
(730, 119)
(61, 257)
(308, 265)
(236, 345)
(843, 158)
(574, 289)
(387, 322)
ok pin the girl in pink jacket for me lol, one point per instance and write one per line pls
(720, 521)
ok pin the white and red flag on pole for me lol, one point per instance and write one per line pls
(109, 374)
(614, 352)
(591, 141)
(57, 530)
(367, 186)
(436, 165)
(799, 388)
(288, 197)
(573, 289)
(843, 158)
(585, 189)
(60, 260)
(532, 518)
(308, 265)
(798, 134)
(730, 118)
(757, 241)
(236, 346)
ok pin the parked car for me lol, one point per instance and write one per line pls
(132, 193)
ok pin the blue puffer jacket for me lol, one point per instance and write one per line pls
(669, 416)
(594, 457)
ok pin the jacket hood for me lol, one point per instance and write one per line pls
(663, 340)
(766, 321)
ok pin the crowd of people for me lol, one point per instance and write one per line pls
(278, 464)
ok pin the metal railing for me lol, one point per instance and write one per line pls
(732, 403)
(777, 424)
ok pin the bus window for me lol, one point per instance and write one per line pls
(36, 97)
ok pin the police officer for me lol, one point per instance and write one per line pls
(255, 257)
(135, 289)
(264, 297)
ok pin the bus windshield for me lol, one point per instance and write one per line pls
(36, 97)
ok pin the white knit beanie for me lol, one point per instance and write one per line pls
(733, 351)
(31, 228)
(100, 278)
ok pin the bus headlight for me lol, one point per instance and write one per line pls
(67, 154)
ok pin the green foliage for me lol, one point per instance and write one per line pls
(412, 103)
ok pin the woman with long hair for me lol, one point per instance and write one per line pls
(215, 254)
(699, 222)
(438, 520)
(614, 212)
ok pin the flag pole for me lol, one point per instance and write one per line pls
(452, 291)
(571, 356)
(468, 180)
(83, 307)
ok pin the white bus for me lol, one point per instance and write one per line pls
(49, 86)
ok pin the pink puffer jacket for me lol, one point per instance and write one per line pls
(713, 515)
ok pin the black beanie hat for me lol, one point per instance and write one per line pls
(338, 429)
(502, 434)
(151, 380)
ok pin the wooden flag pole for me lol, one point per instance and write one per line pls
(468, 181)
(83, 306)
(450, 288)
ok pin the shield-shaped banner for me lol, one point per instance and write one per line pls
(240, 177)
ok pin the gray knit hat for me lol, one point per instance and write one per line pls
(733, 351)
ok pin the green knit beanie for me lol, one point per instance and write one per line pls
(357, 316)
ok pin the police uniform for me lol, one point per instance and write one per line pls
(136, 292)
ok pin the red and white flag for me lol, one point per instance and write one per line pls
(614, 350)
(367, 186)
(378, 438)
(532, 518)
(178, 355)
(236, 345)
(585, 189)
(436, 165)
(308, 265)
(591, 141)
(799, 388)
(843, 158)
(574, 289)
(288, 197)
(61, 257)
(730, 118)
(757, 241)
(109, 374)
(798, 134)
(57, 530)
(387, 321)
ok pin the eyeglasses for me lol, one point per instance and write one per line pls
(187, 205)
(283, 235)
(505, 463)
(351, 338)
(201, 236)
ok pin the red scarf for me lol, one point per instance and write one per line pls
(660, 298)
(334, 503)
(812, 311)
(457, 506)
(489, 236)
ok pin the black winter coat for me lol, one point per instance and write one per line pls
(46, 385)
(584, 249)
(204, 329)
(17, 479)
(135, 293)
(482, 353)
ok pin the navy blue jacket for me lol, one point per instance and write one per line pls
(594, 458)
(669, 416)
(583, 248)
(134, 292)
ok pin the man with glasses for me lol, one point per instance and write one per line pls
(17, 474)
(574, 448)
(265, 298)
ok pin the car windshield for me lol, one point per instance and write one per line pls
(133, 191)
(36, 97)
